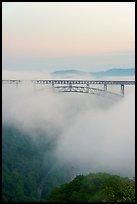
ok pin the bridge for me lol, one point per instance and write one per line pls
(77, 85)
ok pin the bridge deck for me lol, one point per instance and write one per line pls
(56, 81)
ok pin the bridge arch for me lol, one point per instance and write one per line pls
(88, 90)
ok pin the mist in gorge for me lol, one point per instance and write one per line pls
(50, 137)
(92, 133)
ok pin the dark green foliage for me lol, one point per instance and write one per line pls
(30, 171)
(29, 166)
(20, 162)
(99, 187)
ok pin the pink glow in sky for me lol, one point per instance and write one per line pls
(65, 33)
(67, 29)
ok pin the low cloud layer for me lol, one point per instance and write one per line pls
(102, 139)
(93, 133)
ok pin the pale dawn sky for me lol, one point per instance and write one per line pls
(50, 36)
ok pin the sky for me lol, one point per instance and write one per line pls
(50, 36)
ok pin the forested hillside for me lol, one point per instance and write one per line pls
(99, 187)
(29, 169)
(30, 172)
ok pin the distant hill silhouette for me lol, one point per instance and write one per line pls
(110, 72)
(69, 72)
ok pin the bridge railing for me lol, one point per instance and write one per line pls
(78, 82)
(52, 81)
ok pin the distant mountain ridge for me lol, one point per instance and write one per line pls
(70, 71)
(110, 72)
(115, 72)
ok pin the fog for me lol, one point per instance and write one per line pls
(92, 133)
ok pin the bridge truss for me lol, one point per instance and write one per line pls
(83, 86)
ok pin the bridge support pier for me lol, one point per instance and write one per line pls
(105, 87)
(122, 89)
(70, 86)
(87, 87)
(52, 84)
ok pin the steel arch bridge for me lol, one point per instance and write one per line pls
(88, 90)
(79, 86)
